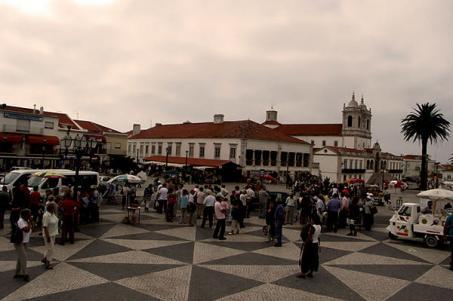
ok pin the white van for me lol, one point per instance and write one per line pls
(88, 179)
(17, 177)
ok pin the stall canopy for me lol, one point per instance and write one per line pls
(181, 161)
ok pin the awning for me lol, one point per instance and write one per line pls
(10, 138)
(181, 161)
(41, 139)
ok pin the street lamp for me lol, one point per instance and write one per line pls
(81, 146)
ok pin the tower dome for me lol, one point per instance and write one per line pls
(353, 103)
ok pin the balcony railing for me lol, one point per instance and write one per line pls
(395, 171)
(353, 170)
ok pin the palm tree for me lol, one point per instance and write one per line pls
(423, 124)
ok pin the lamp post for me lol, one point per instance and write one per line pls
(81, 145)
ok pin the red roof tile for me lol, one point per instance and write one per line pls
(190, 161)
(63, 119)
(245, 129)
(94, 127)
(310, 129)
(412, 157)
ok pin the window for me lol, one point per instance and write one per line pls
(312, 142)
(258, 157)
(299, 159)
(335, 143)
(134, 148)
(324, 143)
(283, 158)
(367, 124)
(117, 146)
(232, 152)
(159, 148)
(178, 149)
(191, 149)
(359, 122)
(23, 125)
(355, 164)
(266, 155)
(291, 159)
(169, 149)
(201, 150)
(141, 149)
(345, 164)
(349, 121)
(273, 158)
(217, 148)
(306, 160)
(48, 125)
(146, 149)
(360, 164)
(249, 157)
(153, 149)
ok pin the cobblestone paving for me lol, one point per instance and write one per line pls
(160, 261)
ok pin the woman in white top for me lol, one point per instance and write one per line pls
(309, 257)
(24, 224)
(49, 232)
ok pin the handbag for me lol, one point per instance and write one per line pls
(17, 236)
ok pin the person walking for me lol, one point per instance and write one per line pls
(344, 210)
(353, 216)
(279, 219)
(219, 210)
(4, 203)
(23, 228)
(200, 201)
(235, 217)
(368, 213)
(183, 203)
(270, 221)
(208, 211)
(69, 208)
(263, 197)
(192, 208)
(162, 198)
(49, 232)
(333, 207)
(171, 203)
(448, 232)
(309, 258)
(290, 205)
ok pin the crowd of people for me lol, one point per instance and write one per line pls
(56, 212)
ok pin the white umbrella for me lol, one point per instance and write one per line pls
(127, 178)
(436, 194)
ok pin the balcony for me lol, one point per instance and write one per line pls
(7, 128)
(353, 170)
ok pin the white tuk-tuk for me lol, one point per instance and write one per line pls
(422, 221)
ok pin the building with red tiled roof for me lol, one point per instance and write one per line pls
(115, 142)
(249, 144)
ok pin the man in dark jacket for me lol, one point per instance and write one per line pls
(279, 219)
(4, 203)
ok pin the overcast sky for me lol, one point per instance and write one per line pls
(124, 62)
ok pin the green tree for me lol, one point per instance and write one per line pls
(425, 123)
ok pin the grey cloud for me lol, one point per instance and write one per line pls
(171, 61)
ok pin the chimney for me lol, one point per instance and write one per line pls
(34, 109)
(135, 129)
(158, 124)
(218, 118)
(41, 110)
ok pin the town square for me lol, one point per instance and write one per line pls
(218, 150)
